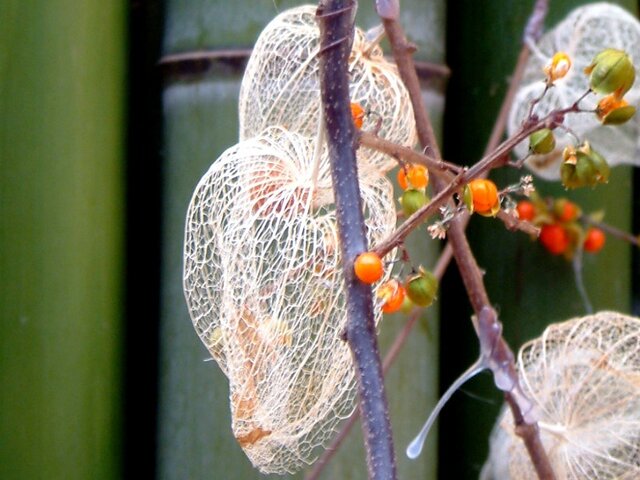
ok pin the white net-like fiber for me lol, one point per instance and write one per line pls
(281, 86)
(582, 34)
(264, 287)
(584, 378)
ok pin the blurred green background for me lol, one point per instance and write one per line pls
(101, 373)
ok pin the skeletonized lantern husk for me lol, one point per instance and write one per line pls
(584, 378)
(582, 34)
(281, 86)
(264, 285)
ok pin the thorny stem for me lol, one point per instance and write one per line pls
(453, 183)
(469, 270)
(533, 32)
(335, 18)
(389, 358)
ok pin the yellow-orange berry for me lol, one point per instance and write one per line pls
(368, 267)
(558, 67)
(357, 113)
(484, 194)
(415, 176)
(393, 294)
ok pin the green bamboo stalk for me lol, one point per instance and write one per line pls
(61, 149)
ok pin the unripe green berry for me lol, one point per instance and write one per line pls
(600, 164)
(422, 288)
(542, 141)
(619, 115)
(583, 167)
(568, 176)
(611, 71)
(585, 171)
(412, 200)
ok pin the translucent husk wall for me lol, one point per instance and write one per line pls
(61, 151)
(195, 438)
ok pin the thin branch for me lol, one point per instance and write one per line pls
(447, 253)
(611, 230)
(469, 270)
(389, 358)
(513, 223)
(449, 184)
(405, 154)
(205, 55)
(335, 18)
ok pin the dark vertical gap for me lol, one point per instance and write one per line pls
(480, 65)
(635, 228)
(456, 343)
(143, 209)
(635, 252)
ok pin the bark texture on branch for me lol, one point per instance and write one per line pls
(336, 18)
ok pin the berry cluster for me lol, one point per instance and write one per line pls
(561, 223)
(419, 288)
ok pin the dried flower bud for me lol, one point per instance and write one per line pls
(542, 141)
(611, 71)
(612, 110)
(558, 67)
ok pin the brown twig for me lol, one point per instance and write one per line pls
(469, 270)
(513, 223)
(446, 255)
(449, 183)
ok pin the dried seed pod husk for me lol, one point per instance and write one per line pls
(264, 286)
(583, 376)
(281, 86)
(584, 33)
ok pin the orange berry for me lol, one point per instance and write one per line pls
(402, 179)
(368, 267)
(565, 210)
(554, 238)
(392, 293)
(357, 113)
(594, 240)
(484, 196)
(416, 176)
(526, 210)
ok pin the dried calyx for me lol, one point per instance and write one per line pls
(582, 376)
